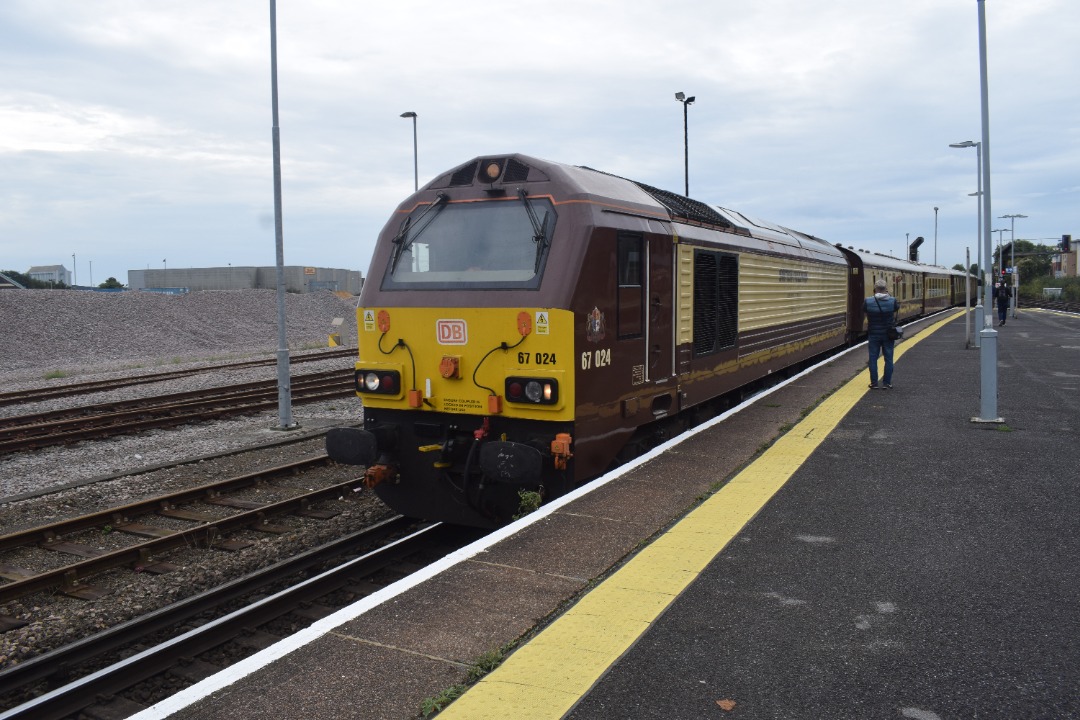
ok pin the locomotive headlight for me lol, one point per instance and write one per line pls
(534, 391)
(381, 382)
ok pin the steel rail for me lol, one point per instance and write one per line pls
(139, 555)
(71, 698)
(39, 394)
(59, 660)
(124, 513)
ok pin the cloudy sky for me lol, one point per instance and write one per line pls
(137, 133)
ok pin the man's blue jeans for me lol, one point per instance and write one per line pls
(880, 346)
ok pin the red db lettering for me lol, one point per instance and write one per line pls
(451, 332)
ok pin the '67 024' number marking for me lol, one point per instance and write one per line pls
(595, 358)
(540, 358)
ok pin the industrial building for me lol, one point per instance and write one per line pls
(298, 279)
(51, 274)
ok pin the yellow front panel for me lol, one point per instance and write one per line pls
(423, 344)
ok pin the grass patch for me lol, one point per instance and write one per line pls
(483, 665)
(54, 374)
(1004, 428)
(430, 706)
(528, 501)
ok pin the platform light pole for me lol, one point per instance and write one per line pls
(415, 157)
(988, 410)
(978, 242)
(1012, 259)
(686, 102)
(1000, 260)
(935, 235)
(285, 421)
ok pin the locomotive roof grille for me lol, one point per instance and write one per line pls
(679, 206)
(683, 207)
(515, 171)
(465, 175)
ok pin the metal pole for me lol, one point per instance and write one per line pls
(75, 270)
(988, 410)
(415, 161)
(980, 290)
(1012, 259)
(967, 296)
(935, 236)
(686, 147)
(415, 157)
(285, 421)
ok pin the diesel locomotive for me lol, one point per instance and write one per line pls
(527, 324)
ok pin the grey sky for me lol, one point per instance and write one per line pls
(135, 132)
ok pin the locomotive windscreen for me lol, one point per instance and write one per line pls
(477, 245)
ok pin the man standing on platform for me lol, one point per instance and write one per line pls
(1002, 295)
(881, 309)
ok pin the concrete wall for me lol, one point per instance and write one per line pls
(298, 279)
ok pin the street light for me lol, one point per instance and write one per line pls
(1000, 260)
(979, 236)
(416, 167)
(935, 236)
(988, 381)
(1012, 256)
(686, 102)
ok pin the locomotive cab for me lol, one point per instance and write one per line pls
(465, 347)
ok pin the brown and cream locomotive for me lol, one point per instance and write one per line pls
(527, 324)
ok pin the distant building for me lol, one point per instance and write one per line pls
(1066, 263)
(54, 274)
(298, 279)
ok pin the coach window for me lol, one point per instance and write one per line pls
(630, 273)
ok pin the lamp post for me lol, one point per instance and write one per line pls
(988, 411)
(978, 236)
(1012, 259)
(416, 167)
(686, 102)
(284, 380)
(935, 236)
(1000, 260)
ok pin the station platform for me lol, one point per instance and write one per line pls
(826, 551)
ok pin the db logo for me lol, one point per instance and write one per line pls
(452, 332)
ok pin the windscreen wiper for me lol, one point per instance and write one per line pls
(402, 240)
(539, 228)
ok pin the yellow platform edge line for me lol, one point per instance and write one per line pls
(547, 676)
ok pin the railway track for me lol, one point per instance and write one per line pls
(83, 388)
(198, 517)
(61, 427)
(87, 678)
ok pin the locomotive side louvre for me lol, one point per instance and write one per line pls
(750, 307)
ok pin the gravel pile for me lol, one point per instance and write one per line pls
(72, 332)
